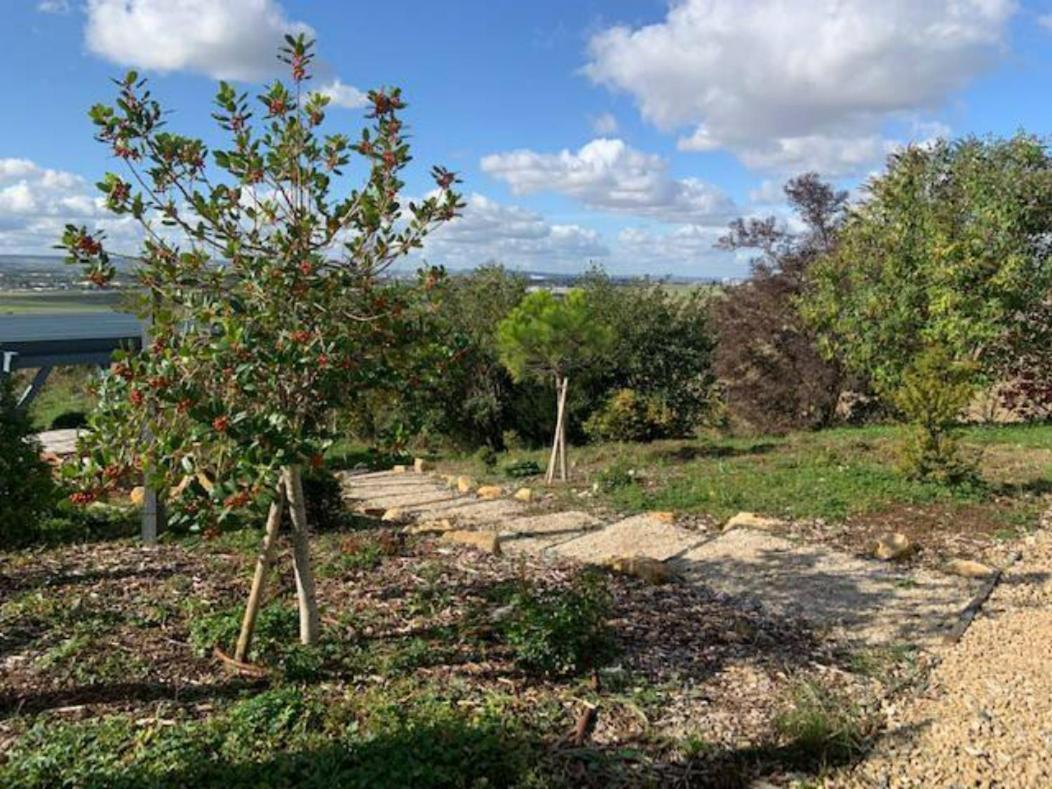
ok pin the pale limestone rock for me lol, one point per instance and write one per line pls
(487, 541)
(393, 515)
(489, 492)
(663, 516)
(750, 520)
(966, 568)
(439, 526)
(399, 469)
(523, 494)
(650, 570)
(138, 495)
(892, 546)
(420, 465)
(465, 484)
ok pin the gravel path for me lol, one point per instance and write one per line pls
(986, 719)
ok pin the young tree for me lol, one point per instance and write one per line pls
(550, 337)
(947, 258)
(951, 250)
(264, 293)
(767, 359)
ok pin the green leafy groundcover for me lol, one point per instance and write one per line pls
(283, 737)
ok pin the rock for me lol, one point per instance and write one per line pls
(663, 517)
(891, 547)
(420, 465)
(393, 515)
(137, 495)
(482, 540)
(465, 484)
(750, 520)
(650, 570)
(372, 512)
(523, 494)
(489, 492)
(966, 568)
(439, 526)
(399, 469)
(51, 458)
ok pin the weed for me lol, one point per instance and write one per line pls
(820, 727)
(564, 631)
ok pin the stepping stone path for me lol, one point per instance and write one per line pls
(858, 601)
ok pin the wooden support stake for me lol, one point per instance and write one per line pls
(550, 477)
(562, 429)
(310, 627)
(259, 580)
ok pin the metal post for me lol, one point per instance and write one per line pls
(34, 387)
(152, 507)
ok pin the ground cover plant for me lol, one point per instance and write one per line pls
(436, 668)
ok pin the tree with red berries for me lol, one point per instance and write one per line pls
(265, 297)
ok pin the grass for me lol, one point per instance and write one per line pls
(21, 303)
(66, 392)
(836, 475)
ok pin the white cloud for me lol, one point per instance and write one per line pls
(604, 124)
(53, 6)
(36, 202)
(608, 175)
(684, 249)
(790, 85)
(1045, 21)
(492, 231)
(342, 95)
(225, 39)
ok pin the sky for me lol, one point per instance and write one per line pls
(625, 133)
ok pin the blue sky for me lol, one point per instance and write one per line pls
(624, 132)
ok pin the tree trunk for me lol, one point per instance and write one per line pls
(562, 430)
(550, 477)
(308, 603)
(263, 562)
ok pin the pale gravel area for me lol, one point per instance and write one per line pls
(986, 717)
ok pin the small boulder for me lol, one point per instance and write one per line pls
(750, 520)
(137, 495)
(420, 465)
(650, 570)
(966, 568)
(393, 515)
(439, 526)
(663, 516)
(51, 458)
(891, 547)
(523, 494)
(489, 492)
(481, 540)
(399, 469)
(465, 484)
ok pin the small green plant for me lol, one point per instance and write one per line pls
(820, 727)
(26, 488)
(520, 469)
(276, 627)
(934, 391)
(559, 632)
(616, 476)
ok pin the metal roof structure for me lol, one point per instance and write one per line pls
(47, 340)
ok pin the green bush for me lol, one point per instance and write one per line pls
(27, 490)
(933, 392)
(522, 468)
(557, 632)
(629, 416)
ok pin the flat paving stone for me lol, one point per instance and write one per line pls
(466, 511)
(535, 533)
(640, 535)
(61, 442)
(860, 600)
(420, 500)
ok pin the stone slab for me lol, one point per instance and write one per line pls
(535, 533)
(640, 535)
